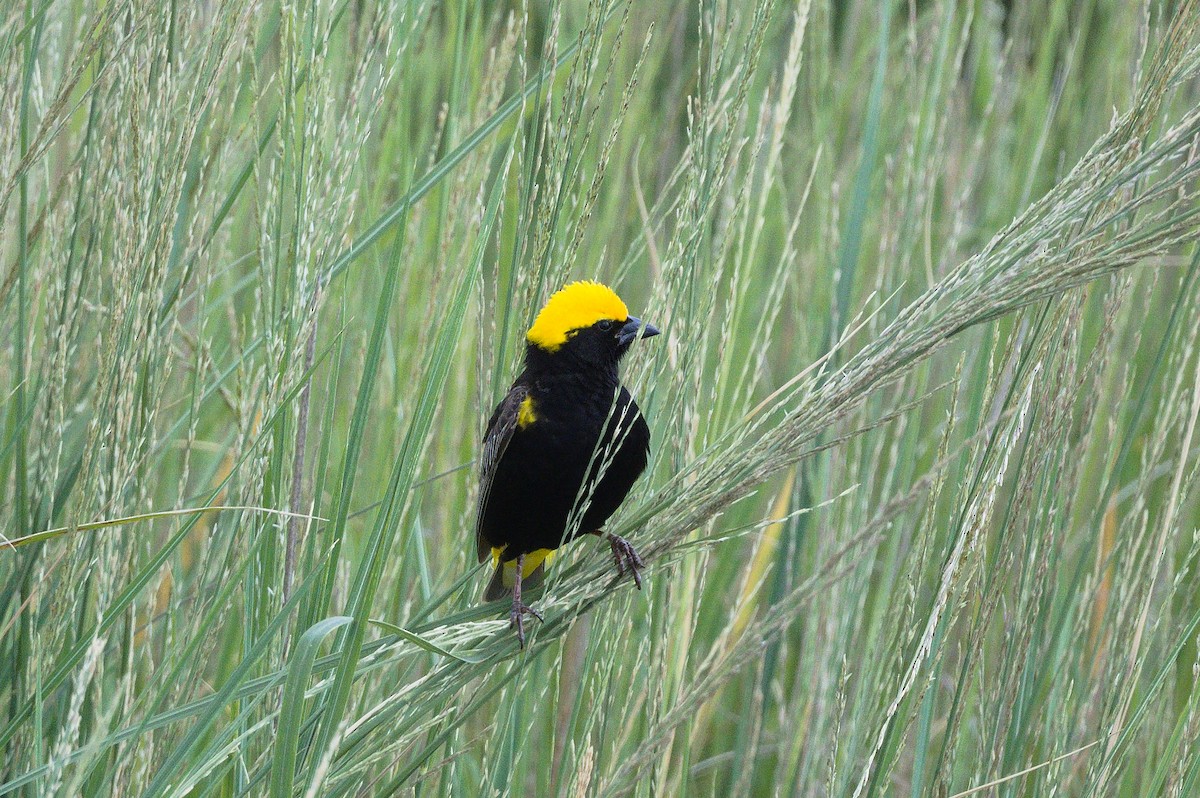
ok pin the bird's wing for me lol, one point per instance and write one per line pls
(495, 441)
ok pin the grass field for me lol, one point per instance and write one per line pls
(921, 517)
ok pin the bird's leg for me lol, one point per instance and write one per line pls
(625, 556)
(519, 608)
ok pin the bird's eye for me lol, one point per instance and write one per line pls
(605, 325)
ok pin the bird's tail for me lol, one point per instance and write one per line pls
(504, 573)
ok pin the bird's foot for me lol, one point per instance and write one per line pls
(626, 557)
(516, 618)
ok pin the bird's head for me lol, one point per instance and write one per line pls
(586, 321)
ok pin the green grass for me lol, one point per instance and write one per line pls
(922, 511)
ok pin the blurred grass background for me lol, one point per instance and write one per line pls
(921, 517)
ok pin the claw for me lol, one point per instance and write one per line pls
(626, 557)
(516, 616)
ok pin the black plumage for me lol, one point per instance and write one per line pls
(561, 452)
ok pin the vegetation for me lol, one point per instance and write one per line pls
(921, 517)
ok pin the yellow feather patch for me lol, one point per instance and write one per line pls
(574, 307)
(525, 413)
(532, 560)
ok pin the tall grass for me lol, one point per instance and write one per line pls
(921, 517)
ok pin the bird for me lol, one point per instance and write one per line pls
(564, 446)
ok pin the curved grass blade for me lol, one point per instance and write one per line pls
(47, 534)
(287, 736)
(421, 642)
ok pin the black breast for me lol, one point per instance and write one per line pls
(536, 491)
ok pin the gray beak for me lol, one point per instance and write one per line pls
(635, 328)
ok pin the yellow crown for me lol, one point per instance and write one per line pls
(573, 307)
